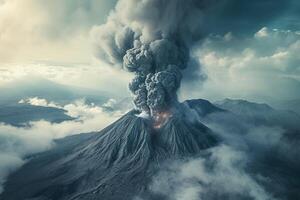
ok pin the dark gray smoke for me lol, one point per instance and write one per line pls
(151, 38)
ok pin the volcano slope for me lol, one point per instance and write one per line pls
(115, 163)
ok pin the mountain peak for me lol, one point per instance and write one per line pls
(123, 155)
(243, 105)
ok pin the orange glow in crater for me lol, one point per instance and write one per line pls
(160, 119)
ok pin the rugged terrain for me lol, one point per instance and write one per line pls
(115, 163)
(120, 161)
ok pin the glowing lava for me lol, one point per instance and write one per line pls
(160, 119)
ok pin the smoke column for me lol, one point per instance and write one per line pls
(151, 38)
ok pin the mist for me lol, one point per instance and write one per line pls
(17, 144)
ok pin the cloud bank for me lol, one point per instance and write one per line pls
(69, 31)
(261, 67)
(221, 174)
(250, 162)
(91, 77)
(16, 143)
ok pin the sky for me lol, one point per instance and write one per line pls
(248, 49)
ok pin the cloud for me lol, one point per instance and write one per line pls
(9, 163)
(221, 174)
(94, 76)
(30, 31)
(35, 101)
(249, 163)
(16, 143)
(63, 36)
(261, 67)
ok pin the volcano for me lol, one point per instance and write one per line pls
(115, 163)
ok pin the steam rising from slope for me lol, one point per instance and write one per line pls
(151, 38)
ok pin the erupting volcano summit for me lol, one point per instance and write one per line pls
(115, 163)
(151, 39)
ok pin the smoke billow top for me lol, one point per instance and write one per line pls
(151, 38)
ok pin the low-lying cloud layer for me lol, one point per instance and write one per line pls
(251, 162)
(221, 174)
(240, 167)
(16, 143)
(95, 76)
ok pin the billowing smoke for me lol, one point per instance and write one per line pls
(151, 38)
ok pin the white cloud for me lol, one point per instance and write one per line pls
(24, 27)
(260, 67)
(29, 29)
(9, 163)
(221, 173)
(35, 42)
(111, 103)
(35, 101)
(236, 168)
(262, 33)
(95, 76)
(18, 142)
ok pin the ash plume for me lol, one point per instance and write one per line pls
(152, 39)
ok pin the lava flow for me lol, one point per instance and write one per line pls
(161, 118)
